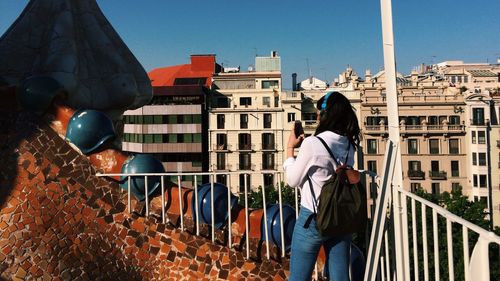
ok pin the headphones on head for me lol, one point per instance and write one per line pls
(323, 105)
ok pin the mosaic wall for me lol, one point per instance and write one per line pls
(58, 221)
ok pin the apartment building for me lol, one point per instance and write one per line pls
(247, 124)
(174, 125)
(480, 84)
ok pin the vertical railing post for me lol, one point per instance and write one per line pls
(212, 204)
(465, 243)
(282, 230)
(414, 236)
(247, 232)
(449, 240)
(179, 188)
(479, 267)
(129, 199)
(265, 220)
(147, 199)
(162, 199)
(436, 244)
(425, 253)
(196, 206)
(229, 219)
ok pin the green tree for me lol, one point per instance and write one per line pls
(255, 199)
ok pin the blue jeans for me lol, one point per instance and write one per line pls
(306, 243)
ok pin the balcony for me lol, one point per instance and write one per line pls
(445, 128)
(437, 175)
(498, 143)
(246, 147)
(269, 167)
(222, 147)
(416, 175)
(268, 146)
(246, 167)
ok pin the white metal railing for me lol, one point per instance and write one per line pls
(420, 262)
(278, 178)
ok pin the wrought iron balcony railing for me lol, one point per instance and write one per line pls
(416, 174)
(437, 175)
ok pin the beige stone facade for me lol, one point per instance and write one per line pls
(248, 125)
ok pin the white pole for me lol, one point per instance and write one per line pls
(402, 265)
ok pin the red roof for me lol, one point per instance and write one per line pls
(201, 66)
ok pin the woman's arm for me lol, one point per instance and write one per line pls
(296, 169)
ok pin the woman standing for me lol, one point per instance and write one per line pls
(339, 128)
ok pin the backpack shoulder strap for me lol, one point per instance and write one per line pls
(329, 150)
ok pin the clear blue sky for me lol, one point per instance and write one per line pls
(329, 34)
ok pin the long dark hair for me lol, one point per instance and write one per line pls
(338, 116)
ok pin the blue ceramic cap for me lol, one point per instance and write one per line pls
(220, 204)
(89, 129)
(274, 225)
(142, 163)
(37, 92)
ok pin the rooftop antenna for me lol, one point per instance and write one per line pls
(308, 68)
(255, 49)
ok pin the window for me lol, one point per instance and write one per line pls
(455, 186)
(221, 121)
(197, 138)
(172, 138)
(454, 120)
(268, 180)
(245, 161)
(482, 181)
(291, 117)
(244, 121)
(412, 146)
(453, 146)
(221, 141)
(197, 118)
(246, 101)
(266, 101)
(188, 138)
(267, 141)
(482, 159)
(478, 116)
(158, 138)
(474, 180)
(372, 166)
(221, 161)
(268, 84)
(455, 169)
(371, 146)
(433, 146)
(435, 188)
(244, 141)
(433, 120)
(222, 179)
(267, 120)
(481, 137)
(435, 166)
(222, 102)
(474, 158)
(484, 200)
(244, 182)
(415, 186)
(268, 161)
(158, 119)
(414, 165)
(473, 134)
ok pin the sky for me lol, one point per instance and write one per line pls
(321, 37)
